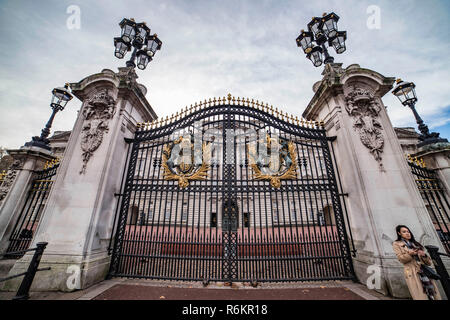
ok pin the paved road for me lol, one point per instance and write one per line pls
(140, 292)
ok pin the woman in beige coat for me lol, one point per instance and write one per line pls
(411, 253)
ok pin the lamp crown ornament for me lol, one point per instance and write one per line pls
(322, 33)
(136, 36)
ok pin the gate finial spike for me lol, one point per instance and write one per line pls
(209, 102)
(422, 162)
(229, 97)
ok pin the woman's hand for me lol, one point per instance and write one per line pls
(412, 252)
(421, 253)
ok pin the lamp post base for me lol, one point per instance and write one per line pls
(39, 142)
(329, 59)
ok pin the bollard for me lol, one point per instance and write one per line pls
(22, 293)
(440, 268)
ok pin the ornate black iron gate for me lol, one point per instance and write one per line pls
(231, 190)
(433, 194)
(30, 214)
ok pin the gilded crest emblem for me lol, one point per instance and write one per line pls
(193, 165)
(274, 171)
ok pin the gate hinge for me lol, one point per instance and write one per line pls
(332, 138)
(118, 194)
(343, 194)
(128, 140)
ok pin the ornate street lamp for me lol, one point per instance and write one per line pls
(405, 92)
(324, 33)
(61, 96)
(137, 36)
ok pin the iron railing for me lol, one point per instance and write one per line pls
(23, 292)
(31, 211)
(440, 268)
(435, 199)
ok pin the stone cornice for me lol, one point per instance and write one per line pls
(31, 152)
(124, 81)
(334, 80)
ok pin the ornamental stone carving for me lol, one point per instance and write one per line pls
(362, 106)
(8, 180)
(97, 113)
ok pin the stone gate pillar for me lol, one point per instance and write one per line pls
(78, 218)
(381, 190)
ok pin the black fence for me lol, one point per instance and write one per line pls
(31, 211)
(440, 268)
(435, 199)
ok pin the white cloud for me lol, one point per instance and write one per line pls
(211, 48)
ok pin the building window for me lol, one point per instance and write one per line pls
(213, 220)
(184, 212)
(275, 216)
(293, 216)
(246, 220)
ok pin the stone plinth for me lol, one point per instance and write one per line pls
(78, 219)
(15, 186)
(381, 190)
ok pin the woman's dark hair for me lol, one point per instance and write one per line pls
(399, 237)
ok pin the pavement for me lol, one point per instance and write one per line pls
(142, 289)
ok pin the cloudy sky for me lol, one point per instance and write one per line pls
(210, 48)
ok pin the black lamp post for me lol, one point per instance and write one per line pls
(59, 100)
(405, 92)
(323, 31)
(136, 36)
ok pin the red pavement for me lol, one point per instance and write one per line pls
(140, 292)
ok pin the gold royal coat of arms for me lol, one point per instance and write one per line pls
(185, 166)
(274, 171)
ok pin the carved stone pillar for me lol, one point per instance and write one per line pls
(78, 219)
(14, 187)
(381, 190)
